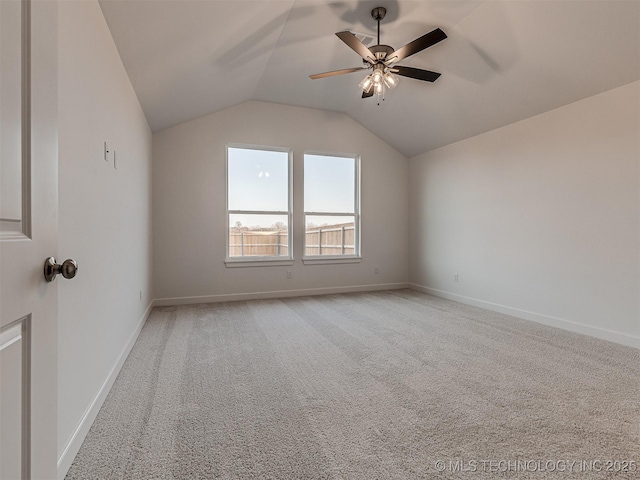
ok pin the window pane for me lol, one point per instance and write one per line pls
(258, 180)
(329, 235)
(258, 235)
(329, 184)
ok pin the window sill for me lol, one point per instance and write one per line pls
(263, 262)
(330, 260)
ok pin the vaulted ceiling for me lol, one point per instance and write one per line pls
(504, 60)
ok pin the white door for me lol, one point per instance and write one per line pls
(28, 235)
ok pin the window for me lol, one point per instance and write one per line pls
(331, 206)
(258, 203)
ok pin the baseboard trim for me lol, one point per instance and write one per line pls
(597, 332)
(75, 441)
(231, 297)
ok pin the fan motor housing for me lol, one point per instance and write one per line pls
(381, 51)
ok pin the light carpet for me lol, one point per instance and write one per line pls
(384, 385)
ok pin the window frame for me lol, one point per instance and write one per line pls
(257, 261)
(356, 257)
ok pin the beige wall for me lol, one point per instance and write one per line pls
(105, 218)
(539, 219)
(189, 203)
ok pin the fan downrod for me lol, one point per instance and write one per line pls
(378, 14)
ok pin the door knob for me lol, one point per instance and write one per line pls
(68, 269)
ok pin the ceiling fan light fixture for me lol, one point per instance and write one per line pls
(391, 80)
(366, 83)
(377, 76)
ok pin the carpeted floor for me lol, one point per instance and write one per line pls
(385, 385)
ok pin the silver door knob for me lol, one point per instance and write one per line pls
(68, 269)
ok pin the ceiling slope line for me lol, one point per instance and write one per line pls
(275, 45)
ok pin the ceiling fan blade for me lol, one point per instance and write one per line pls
(367, 94)
(416, 73)
(336, 72)
(418, 44)
(356, 45)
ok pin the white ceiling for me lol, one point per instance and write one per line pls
(503, 61)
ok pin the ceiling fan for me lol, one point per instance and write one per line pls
(382, 59)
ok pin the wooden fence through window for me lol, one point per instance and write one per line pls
(330, 240)
(258, 244)
(326, 240)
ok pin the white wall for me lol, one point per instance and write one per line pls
(540, 219)
(105, 218)
(189, 202)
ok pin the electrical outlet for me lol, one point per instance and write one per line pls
(376, 270)
(455, 277)
(106, 152)
(115, 160)
(289, 274)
